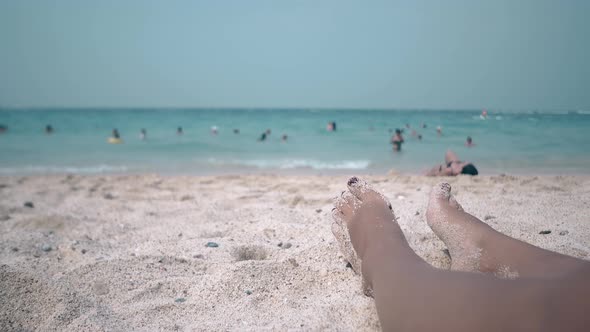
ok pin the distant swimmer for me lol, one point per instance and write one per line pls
(142, 134)
(284, 137)
(214, 130)
(268, 132)
(469, 143)
(423, 125)
(3, 129)
(48, 129)
(331, 126)
(484, 114)
(419, 137)
(453, 166)
(262, 137)
(397, 140)
(236, 131)
(179, 131)
(439, 130)
(115, 138)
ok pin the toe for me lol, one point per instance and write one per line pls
(345, 203)
(361, 189)
(441, 192)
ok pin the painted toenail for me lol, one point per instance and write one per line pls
(352, 180)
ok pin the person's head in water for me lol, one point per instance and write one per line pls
(214, 130)
(142, 133)
(284, 137)
(116, 133)
(398, 131)
(236, 131)
(48, 129)
(179, 131)
(262, 137)
(267, 132)
(419, 137)
(3, 129)
(469, 169)
(469, 141)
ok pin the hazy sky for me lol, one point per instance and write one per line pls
(517, 54)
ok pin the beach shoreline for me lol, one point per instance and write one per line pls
(137, 251)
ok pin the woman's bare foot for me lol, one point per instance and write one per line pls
(476, 247)
(359, 214)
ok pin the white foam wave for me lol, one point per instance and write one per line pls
(63, 169)
(296, 163)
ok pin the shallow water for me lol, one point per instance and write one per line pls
(506, 142)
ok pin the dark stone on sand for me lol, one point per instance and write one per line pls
(318, 210)
(46, 248)
(83, 251)
(417, 213)
(545, 232)
(29, 205)
(280, 244)
(4, 217)
(447, 253)
(180, 300)
(348, 265)
(198, 256)
(564, 233)
(15, 249)
(293, 262)
(488, 217)
(108, 196)
(287, 245)
(212, 245)
(248, 292)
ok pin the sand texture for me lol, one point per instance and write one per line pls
(128, 253)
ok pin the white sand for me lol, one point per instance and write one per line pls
(128, 252)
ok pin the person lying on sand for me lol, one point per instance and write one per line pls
(453, 166)
(496, 283)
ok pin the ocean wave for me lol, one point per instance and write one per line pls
(295, 163)
(63, 169)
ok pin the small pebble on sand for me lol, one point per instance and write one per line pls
(564, 233)
(318, 210)
(29, 205)
(83, 251)
(287, 245)
(545, 232)
(248, 292)
(417, 213)
(4, 217)
(109, 196)
(488, 217)
(46, 248)
(180, 300)
(212, 245)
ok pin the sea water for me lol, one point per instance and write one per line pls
(505, 142)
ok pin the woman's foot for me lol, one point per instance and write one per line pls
(363, 219)
(463, 234)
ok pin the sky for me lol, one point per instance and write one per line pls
(452, 54)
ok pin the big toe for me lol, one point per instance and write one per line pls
(364, 192)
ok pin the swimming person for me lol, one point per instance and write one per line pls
(3, 129)
(469, 143)
(397, 140)
(439, 130)
(262, 137)
(115, 137)
(179, 131)
(453, 166)
(236, 131)
(142, 134)
(284, 137)
(48, 129)
(540, 290)
(214, 130)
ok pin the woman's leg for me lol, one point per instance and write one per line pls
(451, 156)
(475, 246)
(411, 295)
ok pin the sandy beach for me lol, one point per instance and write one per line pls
(147, 252)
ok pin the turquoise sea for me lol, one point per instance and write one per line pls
(506, 142)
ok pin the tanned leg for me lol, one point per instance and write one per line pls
(412, 295)
(475, 246)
